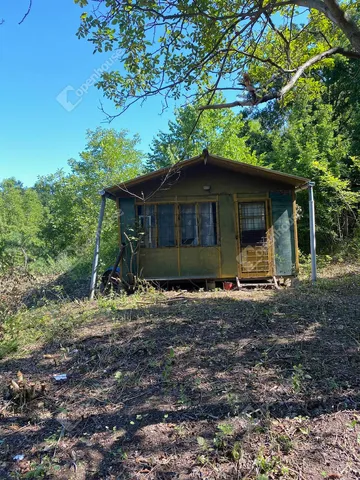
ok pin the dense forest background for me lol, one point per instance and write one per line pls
(315, 133)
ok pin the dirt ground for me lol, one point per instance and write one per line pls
(255, 384)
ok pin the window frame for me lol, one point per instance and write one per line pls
(157, 225)
(242, 217)
(177, 222)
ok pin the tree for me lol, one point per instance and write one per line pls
(343, 93)
(305, 139)
(25, 15)
(21, 216)
(193, 49)
(60, 227)
(72, 200)
(218, 130)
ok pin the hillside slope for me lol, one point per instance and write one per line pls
(224, 385)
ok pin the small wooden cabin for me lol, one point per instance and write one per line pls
(209, 219)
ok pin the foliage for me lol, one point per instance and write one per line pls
(72, 201)
(21, 213)
(298, 377)
(220, 131)
(311, 146)
(315, 134)
(192, 50)
(305, 138)
(53, 225)
(54, 321)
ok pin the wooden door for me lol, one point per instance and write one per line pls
(255, 256)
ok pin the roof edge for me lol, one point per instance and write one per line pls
(215, 159)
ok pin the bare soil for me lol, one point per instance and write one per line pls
(254, 384)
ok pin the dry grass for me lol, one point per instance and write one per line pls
(248, 385)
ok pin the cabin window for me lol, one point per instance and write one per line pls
(208, 230)
(253, 223)
(156, 225)
(198, 224)
(166, 225)
(189, 226)
(147, 225)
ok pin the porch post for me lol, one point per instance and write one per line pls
(97, 247)
(312, 230)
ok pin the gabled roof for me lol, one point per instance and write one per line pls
(209, 159)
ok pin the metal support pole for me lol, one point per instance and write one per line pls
(97, 247)
(312, 230)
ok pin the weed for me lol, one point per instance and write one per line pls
(121, 454)
(43, 470)
(285, 443)
(202, 459)
(220, 443)
(332, 384)
(225, 430)
(180, 430)
(48, 323)
(298, 377)
(304, 430)
(236, 452)
(267, 465)
(355, 421)
(233, 400)
(183, 398)
(203, 444)
(168, 366)
(8, 346)
(270, 467)
(108, 303)
(119, 376)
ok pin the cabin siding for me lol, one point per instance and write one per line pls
(127, 223)
(199, 262)
(189, 182)
(227, 189)
(283, 233)
(228, 236)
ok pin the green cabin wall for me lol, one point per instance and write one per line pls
(283, 231)
(228, 238)
(219, 261)
(127, 225)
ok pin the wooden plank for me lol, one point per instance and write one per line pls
(254, 260)
(284, 245)
(296, 240)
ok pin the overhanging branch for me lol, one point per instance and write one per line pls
(334, 12)
(277, 95)
(27, 12)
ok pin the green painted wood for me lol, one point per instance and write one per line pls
(159, 262)
(227, 236)
(127, 225)
(284, 241)
(197, 262)
(220, 261)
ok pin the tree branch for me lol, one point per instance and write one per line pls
(277, 95)
(332, 10)
(27, 13)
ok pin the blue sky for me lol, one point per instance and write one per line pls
(39, 59)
